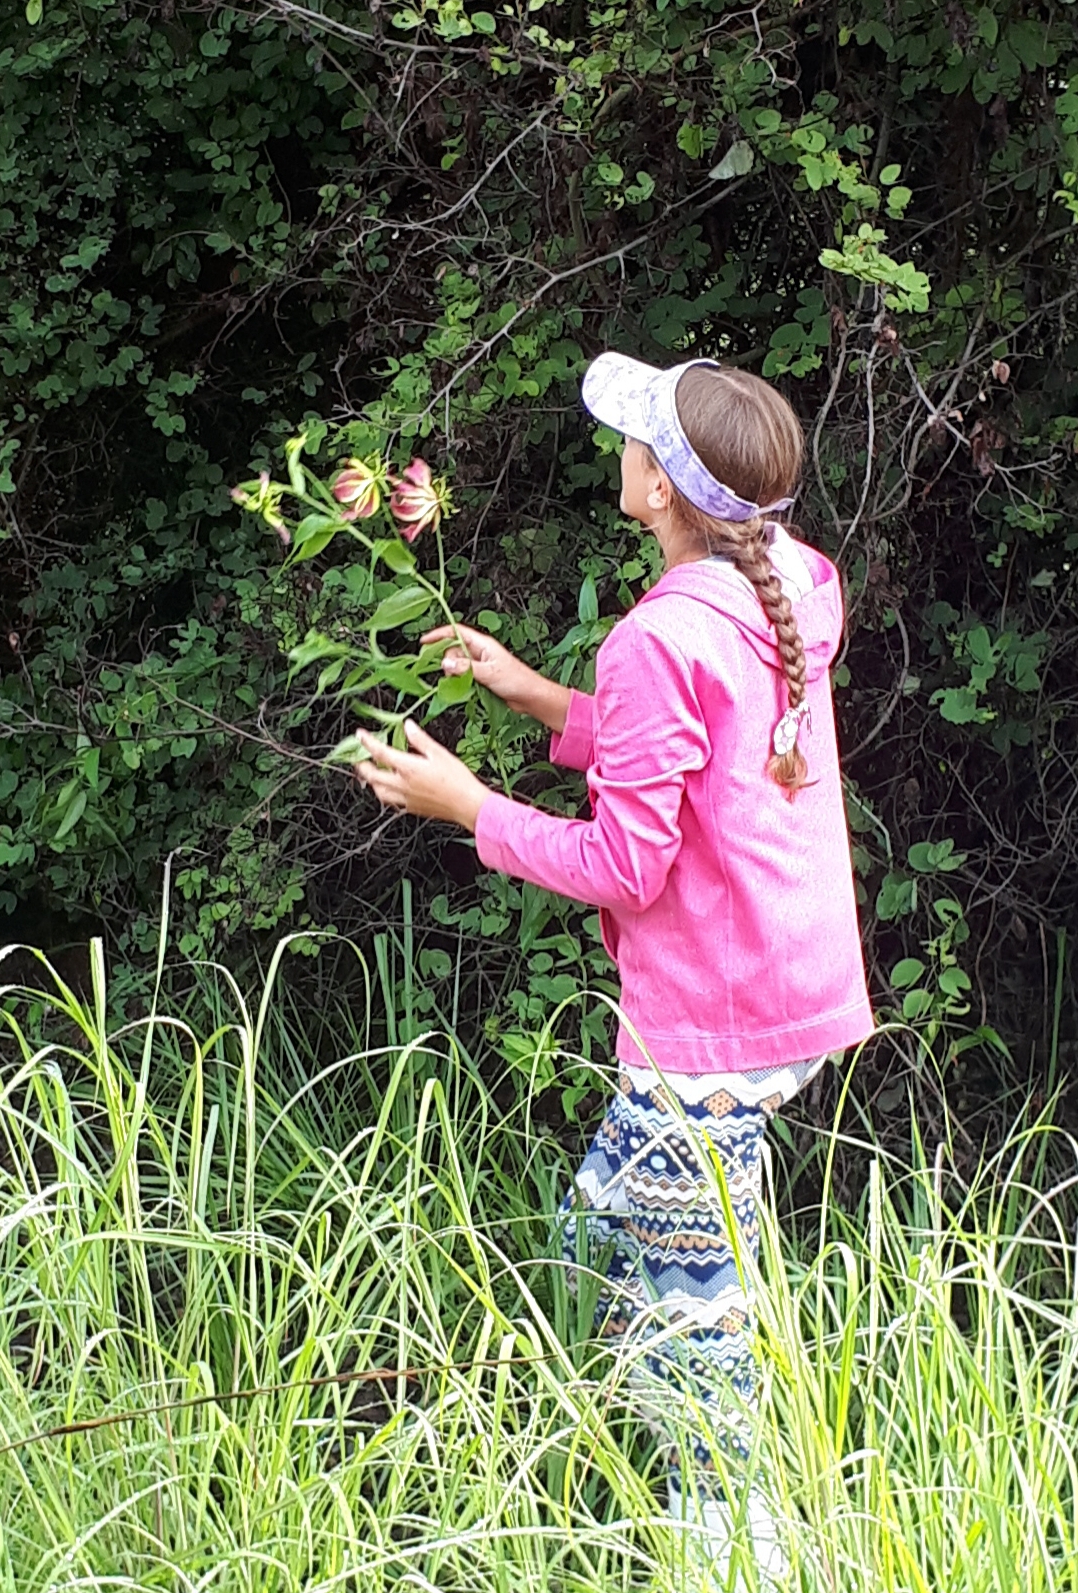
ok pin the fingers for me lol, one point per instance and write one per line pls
(386, 757)
(450, 633)
(388, 772)
(382, 756)
(386, 783)
(385, 789)
(419, 739)
(479, 646)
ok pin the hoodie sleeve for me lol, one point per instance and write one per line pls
(649, 733)
(574, 748)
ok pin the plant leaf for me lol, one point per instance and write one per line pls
(407, 603)
(906, 973)
(75, 809)
(454, 689)
(401, 559)
(915, 1004)
(737, 162)
(350, 750)
(588, 602)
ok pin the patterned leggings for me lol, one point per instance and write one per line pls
(656, 1229)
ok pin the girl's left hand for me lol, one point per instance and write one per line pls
(428, 780)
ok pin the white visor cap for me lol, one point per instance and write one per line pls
(640, 401)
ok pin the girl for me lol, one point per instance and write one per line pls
(717, 854)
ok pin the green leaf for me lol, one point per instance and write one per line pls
(483, 22)
(639, 192)
(988, 25)
(401, 676)
(979, 644)
(33, 12)
(948, 911)
(889, 175)
(435, 963)
(314, 544)
(588, 602)
(454, 689)
(406, 604)
(72, 814)
(768, 120)
(915, 1004)
(920, 857)
(1024, 676)
(954, 982)
(810, 139)
(690, 139)
(1031, 44)
(86, 255)
(906, 973)
(331, 675)
(872, 30)
(959, 706)
(816, 171)
(929, 856)
(312, 649)
(314, 525)
(737, 162)
(350, 750)
(293, 449)
(608, 171)
(89, 764)
(397, 554)
(897, 896)
(538, 907)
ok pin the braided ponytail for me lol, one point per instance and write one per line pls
(750, 556)
(750, 439)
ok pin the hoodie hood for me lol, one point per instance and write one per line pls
(721, 587)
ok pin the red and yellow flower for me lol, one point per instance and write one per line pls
(359, 488)
(417, 501)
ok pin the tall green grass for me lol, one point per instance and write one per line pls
(297, 1310)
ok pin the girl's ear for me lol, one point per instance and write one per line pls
(659, 491)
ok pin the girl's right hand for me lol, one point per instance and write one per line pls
(521, 688)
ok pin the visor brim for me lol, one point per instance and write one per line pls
(613, 391)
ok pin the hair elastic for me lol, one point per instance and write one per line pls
(784, 739)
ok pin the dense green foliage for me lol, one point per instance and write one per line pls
(226, 1224)
(413, 226)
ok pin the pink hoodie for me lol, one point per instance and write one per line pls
(728, 908)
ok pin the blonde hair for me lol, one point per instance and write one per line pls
(750, 439)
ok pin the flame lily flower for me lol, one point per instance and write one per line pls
(417, 500)
(358, 488)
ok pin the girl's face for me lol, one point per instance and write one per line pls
(645, 494)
